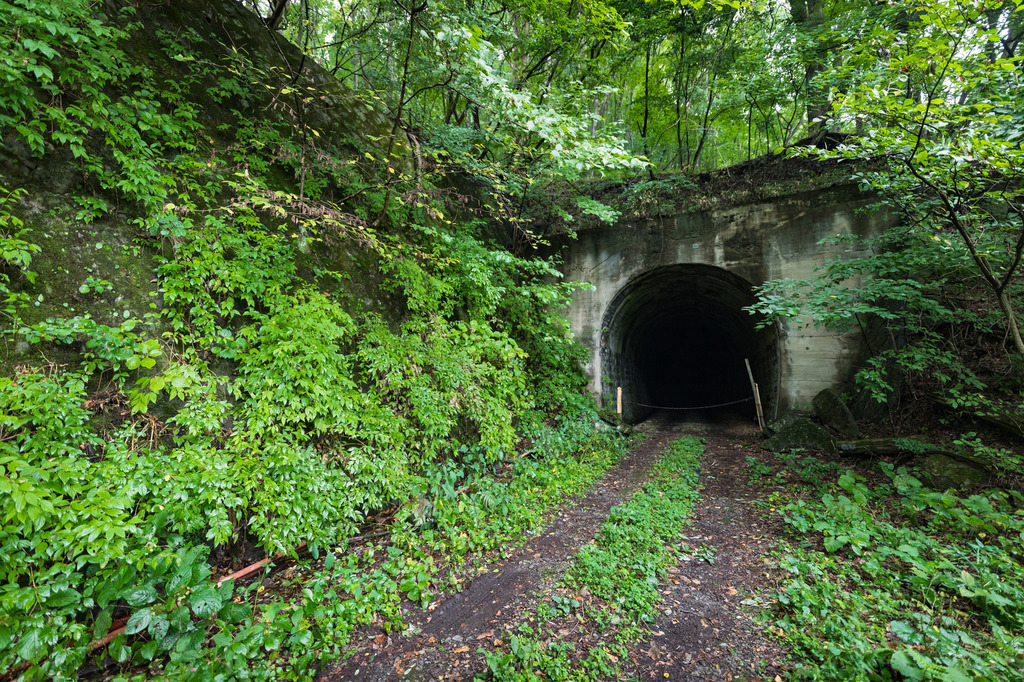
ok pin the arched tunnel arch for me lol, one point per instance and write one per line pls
(677, 337)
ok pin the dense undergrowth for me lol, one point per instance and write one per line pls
(886, 579)
(324, 342)
(612, 585)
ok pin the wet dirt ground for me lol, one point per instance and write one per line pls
(704, 630)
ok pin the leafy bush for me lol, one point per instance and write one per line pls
(912, 582)
(271, 402)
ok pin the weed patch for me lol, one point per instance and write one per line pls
(463, 508)
(896, 581)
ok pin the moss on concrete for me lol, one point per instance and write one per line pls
(106, 269)
(83, 269)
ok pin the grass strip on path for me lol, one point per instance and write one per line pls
(579, 631)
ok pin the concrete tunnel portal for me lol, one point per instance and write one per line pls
(677, 336)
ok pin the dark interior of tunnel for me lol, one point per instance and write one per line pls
(678, 338)
(689, 361)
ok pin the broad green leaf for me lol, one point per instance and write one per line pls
(205, 601)
(138, 621)
(30, 645)
(141, 596)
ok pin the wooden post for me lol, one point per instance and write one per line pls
(757, 395)
(760, 410)
(618, 401)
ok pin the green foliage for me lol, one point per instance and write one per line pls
(36, 37)
(937, 103)
(912, 583)
(949, 138)
(1001, 459)
(529, 659)
(76, 547)
(60, 67)
(906, 279)
(45, 433)
(761, 474)
(602, 212)
(15, 252)
(913, 297)
(267, 404)
(459, 506)
(275, 403)
(76, 521)
(104, 347)
(227, 265)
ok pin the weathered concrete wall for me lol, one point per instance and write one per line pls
(756, 242)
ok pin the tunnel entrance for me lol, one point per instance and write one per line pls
(676, 337)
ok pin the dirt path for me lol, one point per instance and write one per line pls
(702, 633)
(705, 632)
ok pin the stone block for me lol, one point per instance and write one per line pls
(800, 432)
(833, 413)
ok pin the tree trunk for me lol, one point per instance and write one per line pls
(647, 95)
(809, 18)
(1006, 305)
(413, 11)
(679, 92)
(706, 120)
(884, 447)
(750, 120)
(276, 16)
(647, 108)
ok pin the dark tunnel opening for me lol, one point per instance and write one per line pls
(677, 338)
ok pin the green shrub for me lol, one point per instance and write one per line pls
(269, 401)
(912, 583)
